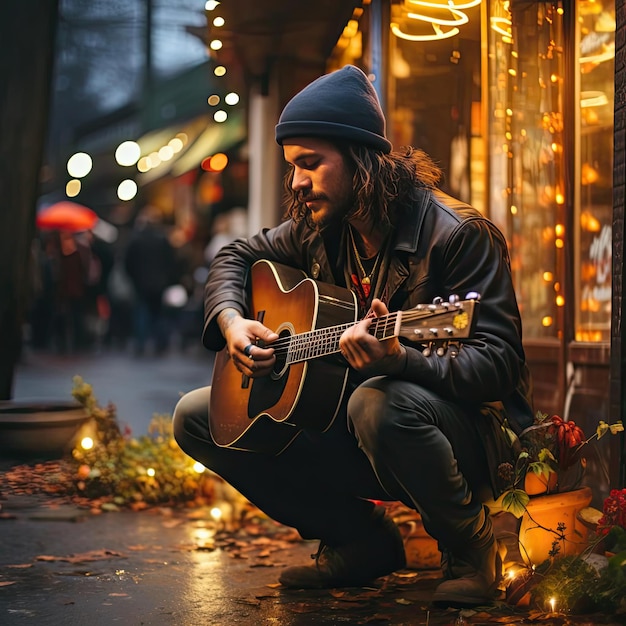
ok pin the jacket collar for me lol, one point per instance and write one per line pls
(410, 224)
(407, 236)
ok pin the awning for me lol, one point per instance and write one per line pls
(261, 33)
(205, 137)
(215, 138)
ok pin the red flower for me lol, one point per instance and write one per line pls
(614, 511)
(569, 438)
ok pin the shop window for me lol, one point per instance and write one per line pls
(527, 173)
(434, 90)
(595, 56)
(551, 167)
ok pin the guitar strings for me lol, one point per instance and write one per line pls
(283, 344)
(326, 333)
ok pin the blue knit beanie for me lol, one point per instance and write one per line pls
(339, 105)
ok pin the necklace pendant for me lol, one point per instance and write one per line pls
(366, 280)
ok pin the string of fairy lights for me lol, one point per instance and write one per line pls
(527, 150)
(129, 153)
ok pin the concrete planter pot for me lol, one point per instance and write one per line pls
(40, 428)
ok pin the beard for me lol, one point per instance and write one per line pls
(329, 212)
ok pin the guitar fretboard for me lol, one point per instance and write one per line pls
(325, 341)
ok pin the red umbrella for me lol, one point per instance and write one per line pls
(66, 215)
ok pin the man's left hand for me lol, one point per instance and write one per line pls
(365, 353)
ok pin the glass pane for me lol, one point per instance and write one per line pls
(526, 86)
(434, 91)
(596, 52)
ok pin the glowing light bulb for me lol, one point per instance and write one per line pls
(79, 165)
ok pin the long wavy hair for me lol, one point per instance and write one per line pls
(382, 184)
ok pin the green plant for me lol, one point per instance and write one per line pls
(586, 582)
(550, 448)
(149, 469)
(579, 586)
(564, 584)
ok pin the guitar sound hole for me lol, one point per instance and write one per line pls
(268, 390)
(281, 357)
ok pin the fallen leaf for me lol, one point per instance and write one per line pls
(92, 555)
(172, 523)
(6, 583)
(302, 608)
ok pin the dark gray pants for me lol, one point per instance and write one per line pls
(393, 441)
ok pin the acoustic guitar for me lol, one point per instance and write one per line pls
(308, 381)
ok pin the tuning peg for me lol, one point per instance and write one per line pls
(437, 300)
(472, 295)
(453, 299)
(428, 350)
(441, 350)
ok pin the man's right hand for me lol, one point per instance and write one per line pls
(245, 340)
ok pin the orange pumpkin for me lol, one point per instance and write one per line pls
(534, 484)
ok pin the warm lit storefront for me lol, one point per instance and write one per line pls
(514, 99)
(549, 99)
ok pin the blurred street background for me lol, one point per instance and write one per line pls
(138, 387)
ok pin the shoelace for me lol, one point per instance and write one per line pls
(320, 549)
(323, 547)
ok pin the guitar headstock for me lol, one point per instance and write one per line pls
(440, 322)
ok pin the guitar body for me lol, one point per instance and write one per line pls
(266, 414)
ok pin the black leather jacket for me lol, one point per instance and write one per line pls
(441, 247)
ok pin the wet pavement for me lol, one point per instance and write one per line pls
(154, 567)
(65, 565)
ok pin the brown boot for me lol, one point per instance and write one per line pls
(476, 573)
(376, 552)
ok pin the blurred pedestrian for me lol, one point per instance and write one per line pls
(96, 263)
(70, 305)
(150, 263)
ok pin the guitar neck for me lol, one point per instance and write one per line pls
(325, 341)
(418, 324)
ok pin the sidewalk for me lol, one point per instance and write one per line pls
(65, 565)
(60, 564)
(139, 387)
